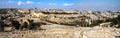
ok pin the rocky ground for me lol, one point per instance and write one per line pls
(60, 31)
(56, 23)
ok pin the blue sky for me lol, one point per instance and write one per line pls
(63, 4)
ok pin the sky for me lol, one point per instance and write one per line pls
(63, 4)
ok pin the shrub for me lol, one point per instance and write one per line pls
(96, 22)
(1, 26)
(115, 21)
(32, 25)
(82, 23)
(25, 24)
(15, 24)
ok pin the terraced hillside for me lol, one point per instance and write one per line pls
(53, 23)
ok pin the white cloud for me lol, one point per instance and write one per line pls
(52, 4)
(29, 2)
(11, 2)
(19, 3)
(39, 3)
(66, 4)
